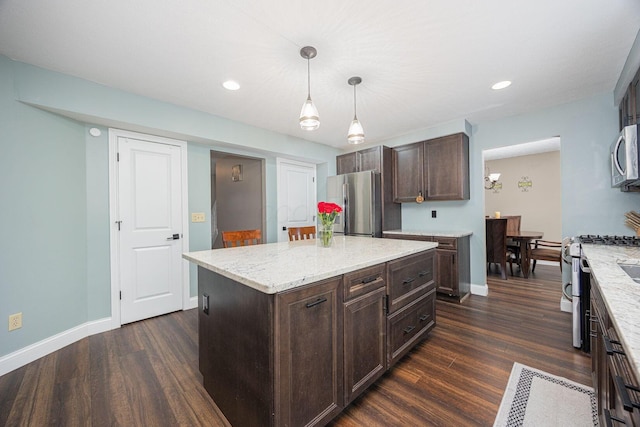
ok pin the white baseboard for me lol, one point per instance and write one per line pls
(482, 290)
(53, 343)
(25, 355)
(193, 303)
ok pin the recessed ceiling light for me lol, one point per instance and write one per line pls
(501, 85)
(231, 85)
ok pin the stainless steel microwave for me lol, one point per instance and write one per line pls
(624, 158)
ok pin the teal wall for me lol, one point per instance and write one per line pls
(43, 250)
(54, 257)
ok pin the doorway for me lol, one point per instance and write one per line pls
(528, 186)
(237, 195)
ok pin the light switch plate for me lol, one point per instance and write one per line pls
(197, 217)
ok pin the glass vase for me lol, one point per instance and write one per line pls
(325, 235)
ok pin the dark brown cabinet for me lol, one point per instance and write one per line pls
(365, 325)
(347, 163)
(614, 381)
(380, 160)
(630, 104)
(309, 361)
(363, 160)
(408, 177)
(436, 169)
(452, 264)
(411, 303)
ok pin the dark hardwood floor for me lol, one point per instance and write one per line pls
(146, 373)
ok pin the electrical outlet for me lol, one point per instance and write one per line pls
(197, 217)
(434, 214)
(15, 321)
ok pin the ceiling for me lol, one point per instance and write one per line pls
(423, 63)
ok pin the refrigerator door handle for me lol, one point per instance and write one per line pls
(345, 208)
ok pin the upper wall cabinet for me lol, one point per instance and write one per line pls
(363, 160)
(436, 169)
(630, 105)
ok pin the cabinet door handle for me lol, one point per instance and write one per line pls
(407, 281)
(621, 387)
(316, 302)
(423, 273)
(423, 317)
(408, 329)
(608, 347)
(608, 418)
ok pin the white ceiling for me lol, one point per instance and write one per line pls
(423, 62)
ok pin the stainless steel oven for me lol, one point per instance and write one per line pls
(581, 283)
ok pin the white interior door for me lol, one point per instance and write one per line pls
(150, 235)
(296, 196)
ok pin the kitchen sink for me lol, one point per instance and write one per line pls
(632, 270)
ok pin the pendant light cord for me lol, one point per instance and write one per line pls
(355, 113)
(308, 79)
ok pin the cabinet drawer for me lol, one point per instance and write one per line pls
(446, 242)
(408, 325)
(363, 281)
(409, 277)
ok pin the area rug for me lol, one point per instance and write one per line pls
(536, 398)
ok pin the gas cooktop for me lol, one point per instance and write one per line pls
(608, 240)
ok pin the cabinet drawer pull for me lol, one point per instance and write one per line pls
(423, 273)
(316, 302)
(407, 281)
(608, 347)
(424, 317)
(369, 280)
(608, 418)
(408, 329)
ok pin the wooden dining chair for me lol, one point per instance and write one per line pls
(513, 226)
(545, 250)
(241, 238)
(302, 233)
(496, 245)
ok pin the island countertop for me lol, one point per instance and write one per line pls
(620, 293)
(277, 267)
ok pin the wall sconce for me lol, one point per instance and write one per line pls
(490, 180)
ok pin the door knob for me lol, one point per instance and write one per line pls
(174, 237)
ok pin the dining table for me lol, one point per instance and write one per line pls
(524, 238)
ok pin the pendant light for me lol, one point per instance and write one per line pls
(309, 119)
(356, 133)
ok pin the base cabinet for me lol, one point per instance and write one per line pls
(615, 384)
(309, 365)
(452, 264)
(298, 357)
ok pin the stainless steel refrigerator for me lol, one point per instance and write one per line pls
(359, 196)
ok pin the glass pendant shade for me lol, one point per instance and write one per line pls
(356, 133)
(309, 119)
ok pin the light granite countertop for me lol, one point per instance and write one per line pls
(620, 293)
(276, 267)
(455, 234)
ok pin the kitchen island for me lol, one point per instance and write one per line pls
(291, 332)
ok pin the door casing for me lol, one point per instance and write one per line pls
(114, 134)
